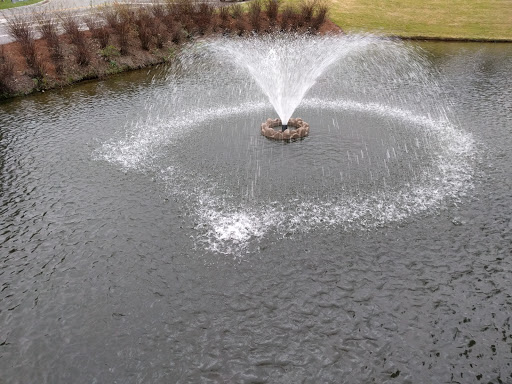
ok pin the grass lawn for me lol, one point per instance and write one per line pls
(473, 19)
(6, 4)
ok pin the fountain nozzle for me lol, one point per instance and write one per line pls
(284, 127)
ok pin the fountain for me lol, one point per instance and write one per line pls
(285, 66)
(384, 147)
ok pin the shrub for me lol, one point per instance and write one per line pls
(123, 28)
(158, 32)
(6, 73)
(144, 20)
(224, 13)
(38, 70)
(181, 9)
(255, 15)
(158, 9)
(71, 25)
(203, 17)
(177, 33)
(237, 11)
(109, 52)
(82, 53)
(320, 16)
(119, 17)
(46, 25)
(307, 8)
(272, 9)
(98, 31)
(57, 58)
(110, 14)
(241, 26)
(287, 17)
(19, 28)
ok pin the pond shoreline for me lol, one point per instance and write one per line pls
(451, 39)
(120, 39)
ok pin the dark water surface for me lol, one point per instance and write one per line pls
(233, 259)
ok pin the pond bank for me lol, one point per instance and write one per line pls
(120, 38)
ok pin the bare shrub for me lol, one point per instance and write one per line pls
(143, 21)
(123, 28)
(237, 11)
(46, 25)
(99, 31)
(71, 25)
(6, 73)
(203, 17)
(255, 15)
(119, 17)
(158, 32)
(182, 12)
(19, 28)
(272, 9)
(102, 35)
(181, 9)
(58, 60)
(241, 26)
(56, 54)
(82, 53)
(158, 9)
(224, 17)
(38, 69)
(92, 22)
(307, 9)
(110, 14)
(177, 33)
(320, 16)
(287, 17)
(126, 12)
(168, 20)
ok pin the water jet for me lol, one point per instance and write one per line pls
(286, 66)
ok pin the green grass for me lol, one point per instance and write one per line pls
(6, 4)
(466, 19)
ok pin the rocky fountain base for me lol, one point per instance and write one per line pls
(295, 129)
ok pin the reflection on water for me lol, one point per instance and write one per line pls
(105, 272)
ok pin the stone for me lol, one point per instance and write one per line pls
(301, 129)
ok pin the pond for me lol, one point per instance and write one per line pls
(149, 233)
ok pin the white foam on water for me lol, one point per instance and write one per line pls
(232, 227)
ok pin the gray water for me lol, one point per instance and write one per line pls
(150, 234)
